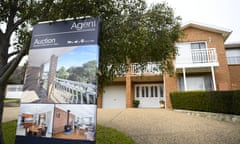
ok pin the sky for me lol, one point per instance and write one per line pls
(76, 57)
(220, 13)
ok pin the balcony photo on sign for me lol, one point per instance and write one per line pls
(62, 75)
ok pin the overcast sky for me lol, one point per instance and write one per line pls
(221, 13)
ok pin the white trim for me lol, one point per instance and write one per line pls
(212, 28)
(164, 90)
(184, 79)
(205, 26)
(213, 78)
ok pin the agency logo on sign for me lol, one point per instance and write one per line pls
(88, 25)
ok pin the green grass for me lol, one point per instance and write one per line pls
(9, 131)
(105, 135)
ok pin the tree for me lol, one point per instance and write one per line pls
(90, 71)
(129, 33)
(140, 35)
(62, 73)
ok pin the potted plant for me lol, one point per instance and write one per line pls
(136, 103)
(162, 103)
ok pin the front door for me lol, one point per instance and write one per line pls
(149, 95)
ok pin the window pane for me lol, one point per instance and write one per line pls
(79, 97)
(143, 92)
(146, 91)
(197, 46)
(161, 91)
(151, 91)
(233, 56)
(137, 91)
(180, 84)
(156, 91)
(208, 83)
(195, 83)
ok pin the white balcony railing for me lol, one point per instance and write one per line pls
(194, 57)
(149, 68)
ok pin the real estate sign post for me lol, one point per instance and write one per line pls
(59, 98)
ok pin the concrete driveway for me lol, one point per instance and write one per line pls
(157, 126)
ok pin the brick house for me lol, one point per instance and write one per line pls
(203, 63)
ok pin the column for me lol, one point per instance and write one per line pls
(184, 80)
(213, 78)
(52, 75)
(129, 97)
(32, 78)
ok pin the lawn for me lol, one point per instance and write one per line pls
(105, 135)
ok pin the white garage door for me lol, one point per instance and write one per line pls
(114, 97)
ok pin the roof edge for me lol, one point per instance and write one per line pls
(212, 28)
(232, 44)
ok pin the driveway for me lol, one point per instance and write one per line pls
(157, 126)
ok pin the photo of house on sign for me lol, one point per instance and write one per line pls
(62, 75)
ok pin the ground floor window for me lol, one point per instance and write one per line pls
(149, 90)
(203, 82)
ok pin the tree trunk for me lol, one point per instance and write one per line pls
(4, 45)
(2, 95)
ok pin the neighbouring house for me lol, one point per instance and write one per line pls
(203, 62)
(233, 60)
(15, 83)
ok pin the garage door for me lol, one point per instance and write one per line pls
(114, 97)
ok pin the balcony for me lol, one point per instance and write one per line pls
(149, 68)
(196, 58)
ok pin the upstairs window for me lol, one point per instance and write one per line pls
(233, 56)
(198, 45)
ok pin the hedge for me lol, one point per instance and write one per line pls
(208, 101)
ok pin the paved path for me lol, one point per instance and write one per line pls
(157, 126)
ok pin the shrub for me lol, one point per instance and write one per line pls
(136, 103)
(209, 101)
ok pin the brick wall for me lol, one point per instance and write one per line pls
(214, 40)
(60, 120)
(235, 76)
(129, 91)
(171, 85)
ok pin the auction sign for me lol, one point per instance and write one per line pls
(58, 103)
